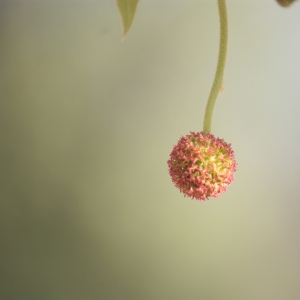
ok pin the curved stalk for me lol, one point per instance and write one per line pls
(218, 81)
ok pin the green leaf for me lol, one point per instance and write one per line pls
(127, 9)
(285, 3)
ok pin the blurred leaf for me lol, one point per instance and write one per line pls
(285, 3)
(127, 9)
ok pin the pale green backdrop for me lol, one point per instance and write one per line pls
(87, 208)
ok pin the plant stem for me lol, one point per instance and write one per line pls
(218, 81)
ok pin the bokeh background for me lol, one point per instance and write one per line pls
(87, 208)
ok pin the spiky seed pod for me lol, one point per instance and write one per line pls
(201, 165)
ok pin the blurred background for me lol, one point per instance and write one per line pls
(87, 123)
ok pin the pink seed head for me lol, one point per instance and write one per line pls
(201, 165)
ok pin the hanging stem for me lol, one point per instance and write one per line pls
(218, 81)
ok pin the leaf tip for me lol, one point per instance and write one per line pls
(127, 10)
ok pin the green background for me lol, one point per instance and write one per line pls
(87, 123)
